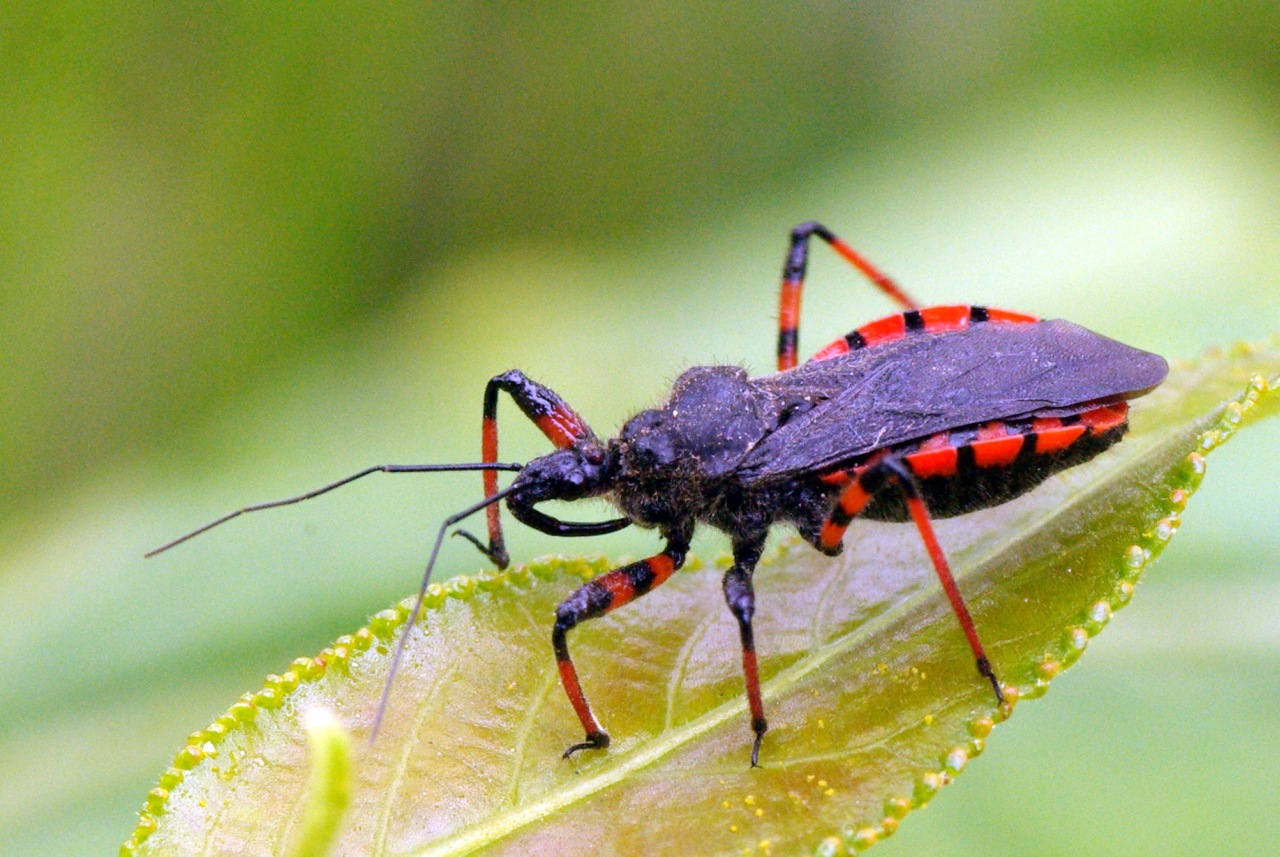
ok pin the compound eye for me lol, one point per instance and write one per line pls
(576, 477)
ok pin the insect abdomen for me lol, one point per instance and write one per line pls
(934, 319)
(975, 467)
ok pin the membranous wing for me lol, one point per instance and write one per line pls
(852, 404)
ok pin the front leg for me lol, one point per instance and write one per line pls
(741, 598)
(553, 417)
(595, 598)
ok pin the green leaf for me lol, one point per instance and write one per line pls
(870, 690)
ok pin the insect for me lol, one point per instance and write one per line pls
(930, 413)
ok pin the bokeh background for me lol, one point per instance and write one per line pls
(249, 248)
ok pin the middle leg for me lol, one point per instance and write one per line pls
(741, 598)
(553, 417)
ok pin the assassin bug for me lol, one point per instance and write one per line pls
(929, 413)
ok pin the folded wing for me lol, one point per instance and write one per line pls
(850, 405)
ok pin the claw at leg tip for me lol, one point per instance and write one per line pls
(595, 741)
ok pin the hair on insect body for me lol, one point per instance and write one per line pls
(929, 413)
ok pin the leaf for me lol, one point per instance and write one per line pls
(870, 690)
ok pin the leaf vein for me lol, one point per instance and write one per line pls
(402, 764)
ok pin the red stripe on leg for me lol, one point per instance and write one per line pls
(838, 477)
(854, 499)
(853, 257)
(789, 305)
(920, 515)
(561, 426)
(619, 586)
(750, 672)
(573, 690)
(489, 455)
(788, 323)
(662, 566)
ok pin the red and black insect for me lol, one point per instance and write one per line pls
(933, 412)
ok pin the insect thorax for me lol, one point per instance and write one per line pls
(677, 461)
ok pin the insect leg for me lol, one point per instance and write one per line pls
(860, 491)
(417, 604)
(741, 598)
(544, 523)
(553, 417)
(793, 271)
(595, 598)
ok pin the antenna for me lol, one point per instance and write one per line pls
(422, 593)
(381, 468)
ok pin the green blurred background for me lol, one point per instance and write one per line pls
(249, 248)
